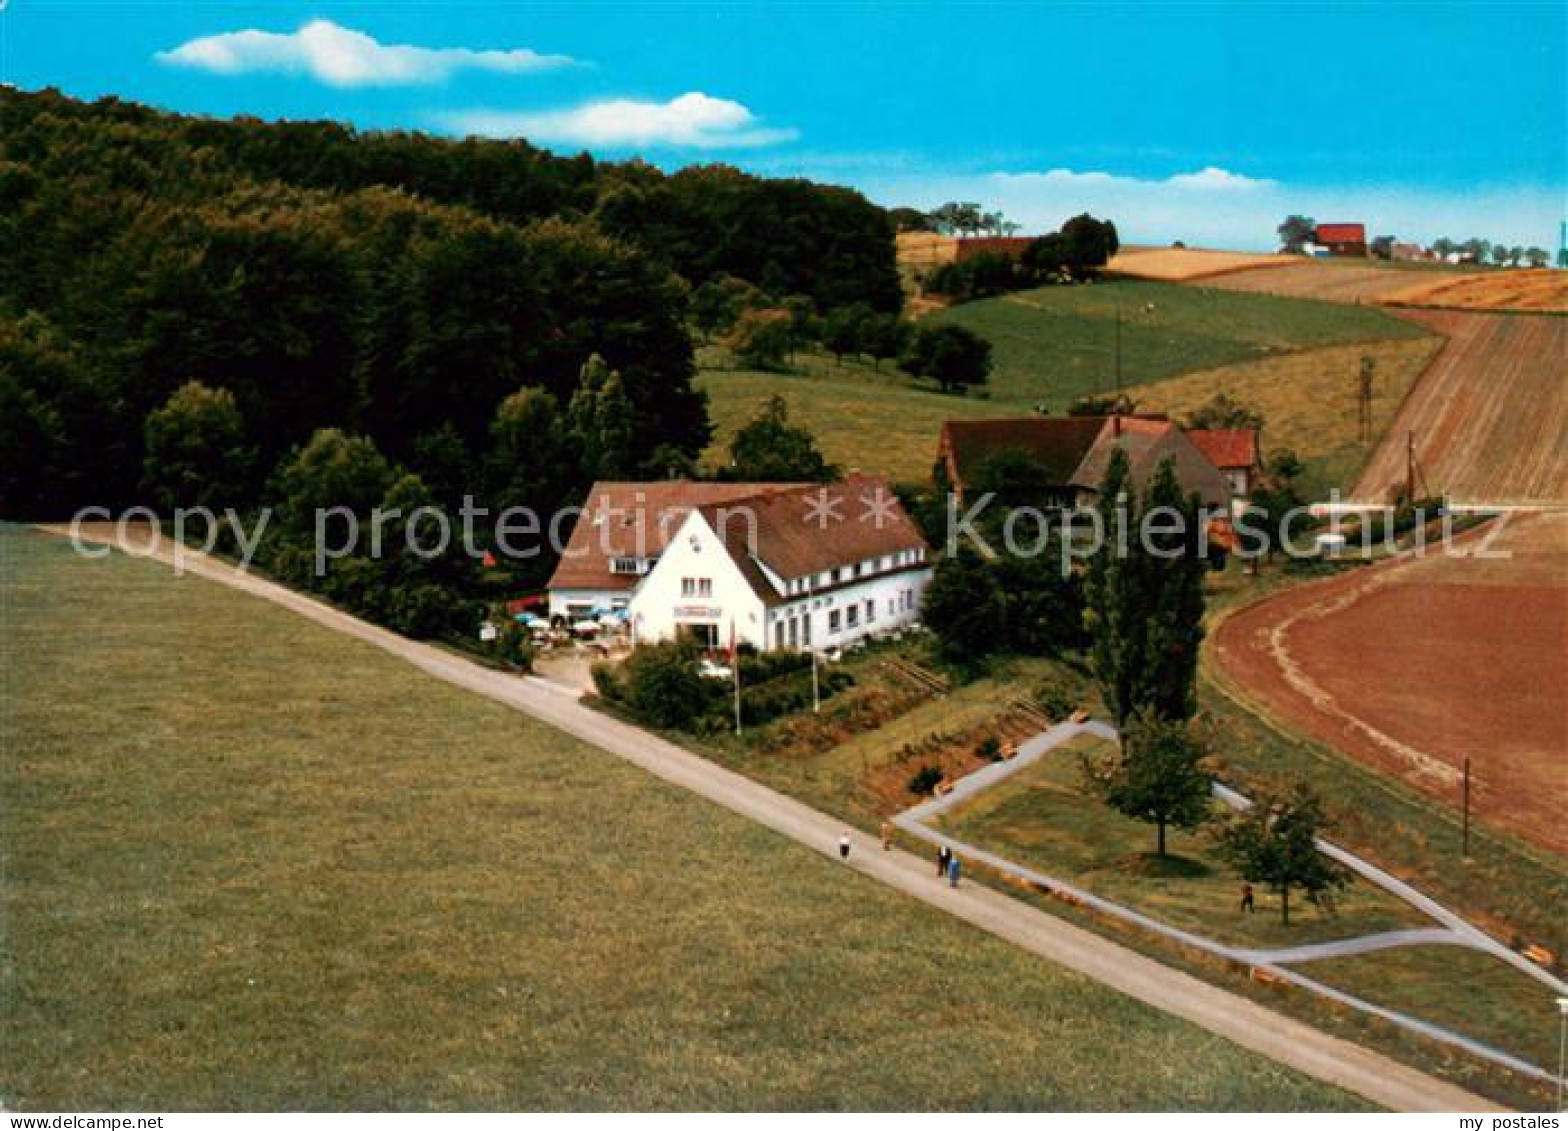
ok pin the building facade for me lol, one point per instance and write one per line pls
(791, 567)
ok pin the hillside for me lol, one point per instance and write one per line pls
(1489, 418)
(1058, 343)
(302, 874)
(1054, 344)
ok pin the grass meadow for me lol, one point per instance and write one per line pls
(248, 863)
(1045, 818)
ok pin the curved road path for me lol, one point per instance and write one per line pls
(1290, 1042)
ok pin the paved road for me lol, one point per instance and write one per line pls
(1252, 1026)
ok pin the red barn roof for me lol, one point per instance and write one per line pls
(1341, 233)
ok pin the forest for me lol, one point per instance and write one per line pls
(189, 303)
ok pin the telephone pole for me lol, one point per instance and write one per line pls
(1364, 399)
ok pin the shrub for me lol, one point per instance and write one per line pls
(662, 686)
(1055, 700)
(990, 748)
(923, 782)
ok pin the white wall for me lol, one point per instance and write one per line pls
(661, 606)
(896, 599)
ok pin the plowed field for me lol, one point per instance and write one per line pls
(1413, 666)
(1490, 414)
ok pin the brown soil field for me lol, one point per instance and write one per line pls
(1413, 666)
(1525, 290)
(1179, 264)
(1490, 414)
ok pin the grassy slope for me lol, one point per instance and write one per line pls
(1460, 988)
(1308, 401)
(860, 418)
(1057, 343)
(1044, 818)
(249, 864)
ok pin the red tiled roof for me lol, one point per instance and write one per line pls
(1340, 233)
(806, 530)
(635, 520)
(1227, 448)
(639, 519)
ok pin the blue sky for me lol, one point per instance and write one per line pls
(1200, 122)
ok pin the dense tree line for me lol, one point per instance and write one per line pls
(1074, 253)
(199, 312)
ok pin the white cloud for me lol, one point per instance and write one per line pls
(342, 57)
(692, 121)
(1215, 207)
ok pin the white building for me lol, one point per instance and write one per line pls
(773, 566)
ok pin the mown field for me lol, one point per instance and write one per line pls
(252, 864)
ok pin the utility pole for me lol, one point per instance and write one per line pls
(1364, 399)
(1562, 1046)
(1118, 346)
(735, 672)
(1464, 834)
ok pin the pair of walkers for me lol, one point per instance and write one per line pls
(947, 865)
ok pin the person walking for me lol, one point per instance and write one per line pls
(1248, 903)
(843, 846)
(944, 856)
(953, 870)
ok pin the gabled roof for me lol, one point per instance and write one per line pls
(812, 529)
(1074, 451)
(632, 520)
(1228, 449)
(1340, 233)
(1057, 443)
(1149, 443)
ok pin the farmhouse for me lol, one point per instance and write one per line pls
(1342, 239)
(1071, 453)
(1234, 451)
(773, 565)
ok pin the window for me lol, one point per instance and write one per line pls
(628, 565)
(696, 587)
(871, 611)
(778, 635)
(833, 622)
(705, 587)
(794, 632)
(805, 630)
(852, 615)
(688, 587)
